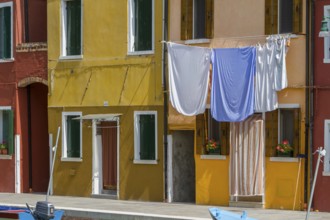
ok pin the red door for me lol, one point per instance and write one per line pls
(109, 155)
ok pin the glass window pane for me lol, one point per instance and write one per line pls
(286, 16)
(147, 137)
(73, 136)
(199, 19)
(5, 32)
(142, 25)
(73, 27)
(287, 125)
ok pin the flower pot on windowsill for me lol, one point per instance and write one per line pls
(4, 151)
(284, 154)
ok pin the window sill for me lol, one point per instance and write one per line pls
(198, 41)
(7, 60)
(137, 53)
(213, 157)
(324, 173)
(66, 159)
(75, 57)
(136, 161)
(284, 159)
(326, 60)
(5, 157)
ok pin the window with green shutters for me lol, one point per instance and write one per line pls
(141, 25)
(145, 136)
(197, 19)
(71, 135)
(283, 16)
(7, 130)
(72, 28)
(282, 124)
(5, 31)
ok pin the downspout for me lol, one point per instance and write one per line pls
(309, 98)
(26, 20)
(165, 19)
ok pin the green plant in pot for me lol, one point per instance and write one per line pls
(3, 148)
(212, 147)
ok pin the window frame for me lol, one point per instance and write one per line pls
(2, 5)
(272, 17)
(326, 58)
(64, 55)
(11, 149)
(282, 107)
(137, 159)
(326, 167)
(131, 28)
(64, 156)
(189, 24)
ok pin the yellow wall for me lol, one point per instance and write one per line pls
(212, 178)
(246, 18)
(106, 80)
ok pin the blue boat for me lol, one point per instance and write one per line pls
(218, 214)
(11, 213)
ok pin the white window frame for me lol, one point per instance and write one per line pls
(2, 5)
(326, 167)
(131, 28)
(137, 159)
(64, 138)
(326, 58)
(63, 55)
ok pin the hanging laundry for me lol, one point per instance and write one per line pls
(265, 98)
(280, 75)
(188, 77)
(232, 94)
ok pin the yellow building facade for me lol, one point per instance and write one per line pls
(237, 24)
(106, 97)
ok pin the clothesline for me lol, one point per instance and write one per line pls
(241, 37)
(244, 80)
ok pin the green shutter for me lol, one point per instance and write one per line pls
(147, 137)
(209, 7)
(143, 25)
(296, 138)
(73, 27)
(271, 16)
(8, 130)
(297, 16)
(224, 144)
(200, 133)
(186, 19)
(5, 33)
(73, 136)
(271, 132)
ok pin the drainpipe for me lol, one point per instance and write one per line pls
(309, 97)
(165, 19)
(26, 20)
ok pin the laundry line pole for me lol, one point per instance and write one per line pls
(321, 153)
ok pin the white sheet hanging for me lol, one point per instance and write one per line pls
(188, 77)
(280, 75)
(265, 96)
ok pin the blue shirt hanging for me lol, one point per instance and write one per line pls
(232, 94)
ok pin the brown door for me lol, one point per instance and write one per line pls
(109, 155)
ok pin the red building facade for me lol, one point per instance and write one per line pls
(321, 107)
(23, 96)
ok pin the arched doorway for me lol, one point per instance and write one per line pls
(34, 130)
